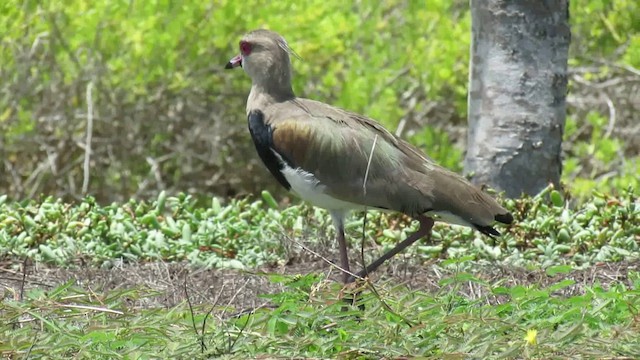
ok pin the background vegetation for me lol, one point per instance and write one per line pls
(166, 116)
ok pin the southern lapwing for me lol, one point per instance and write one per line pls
(340, 161)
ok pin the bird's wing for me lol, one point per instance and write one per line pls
(342, 149)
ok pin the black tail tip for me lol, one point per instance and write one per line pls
(505, 218)
(488, 230)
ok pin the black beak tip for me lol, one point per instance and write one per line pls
(229, 65)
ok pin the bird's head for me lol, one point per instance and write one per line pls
(264, 56)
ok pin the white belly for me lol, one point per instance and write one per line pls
(308, 187)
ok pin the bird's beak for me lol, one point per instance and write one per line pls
(235, 62)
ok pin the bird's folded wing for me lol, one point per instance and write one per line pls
(360, 162)
(356, 159)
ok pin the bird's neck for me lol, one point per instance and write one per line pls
(262, 95)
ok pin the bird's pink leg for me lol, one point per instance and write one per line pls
(426, 223)
(338, 223)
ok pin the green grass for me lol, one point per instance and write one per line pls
(308, 321)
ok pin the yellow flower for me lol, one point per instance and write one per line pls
(531, 337)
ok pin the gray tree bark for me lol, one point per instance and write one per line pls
(517, 92)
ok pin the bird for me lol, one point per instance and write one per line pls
(343, 161)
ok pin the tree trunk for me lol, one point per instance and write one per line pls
(517, 92)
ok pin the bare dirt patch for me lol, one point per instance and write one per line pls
(167, 282)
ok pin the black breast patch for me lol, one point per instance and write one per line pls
(262, 135)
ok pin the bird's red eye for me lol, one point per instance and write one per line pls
(245, 48)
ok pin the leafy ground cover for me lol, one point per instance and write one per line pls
(245, 233)
(143, 280)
